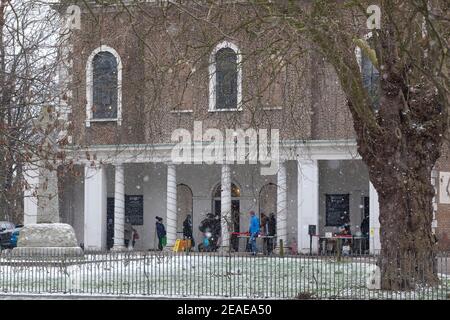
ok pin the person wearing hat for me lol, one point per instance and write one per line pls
(161, 232)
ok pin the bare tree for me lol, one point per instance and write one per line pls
(28, 86)
(400, 133)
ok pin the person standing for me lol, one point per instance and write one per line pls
(161, 232)
(187, 230)
(206, 228)
(271, 231)
(254, 231)
(365, 231)
(264, 231)
(129, 233)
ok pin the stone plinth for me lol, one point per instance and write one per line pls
(47, 239)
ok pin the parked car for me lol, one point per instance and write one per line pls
(6, 230)
(15, 236)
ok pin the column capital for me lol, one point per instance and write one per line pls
(307, 161)
(118, 164)
(89, 167)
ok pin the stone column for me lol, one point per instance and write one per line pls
(48, 203)
(282, 204)
(374, 222)
(41, 204)
(95, 208)
(171, 226)
(119, 208)
(308, 203)
(225, 207)
(30, 200)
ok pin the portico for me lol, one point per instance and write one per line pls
(171, 190)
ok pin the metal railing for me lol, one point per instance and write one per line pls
(193, 274)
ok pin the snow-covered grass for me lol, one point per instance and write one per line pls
(204, 276)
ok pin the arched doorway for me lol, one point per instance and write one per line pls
(235, 210)
(268, 199)
(184, 207)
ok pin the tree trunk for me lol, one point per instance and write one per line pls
(400, 160)
(399, 134)
(408, 245)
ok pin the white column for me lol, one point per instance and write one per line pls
(308, 203)
(282, 204)
(95, 208)
(119, 208)
(30, 200)
(171, 226)
(374, 222)
(225, 206)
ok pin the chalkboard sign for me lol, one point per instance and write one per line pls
(312, 229)
(134, 209)
(337, 209)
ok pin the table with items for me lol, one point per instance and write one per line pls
(354, 243)
(246, 235)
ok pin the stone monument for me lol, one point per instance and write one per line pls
(47, 237)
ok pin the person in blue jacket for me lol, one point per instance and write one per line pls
(254, 231)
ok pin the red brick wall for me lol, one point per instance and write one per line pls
(169, 70)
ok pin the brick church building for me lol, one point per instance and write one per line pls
(135, 76)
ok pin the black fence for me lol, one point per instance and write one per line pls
(209, 274)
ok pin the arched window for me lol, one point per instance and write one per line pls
(370, 75)
(235, 191)
(225, 78)
(103, 86)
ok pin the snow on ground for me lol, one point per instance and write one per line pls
(203, 276)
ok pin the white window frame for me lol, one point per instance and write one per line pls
(90, 89)
(212, 77)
